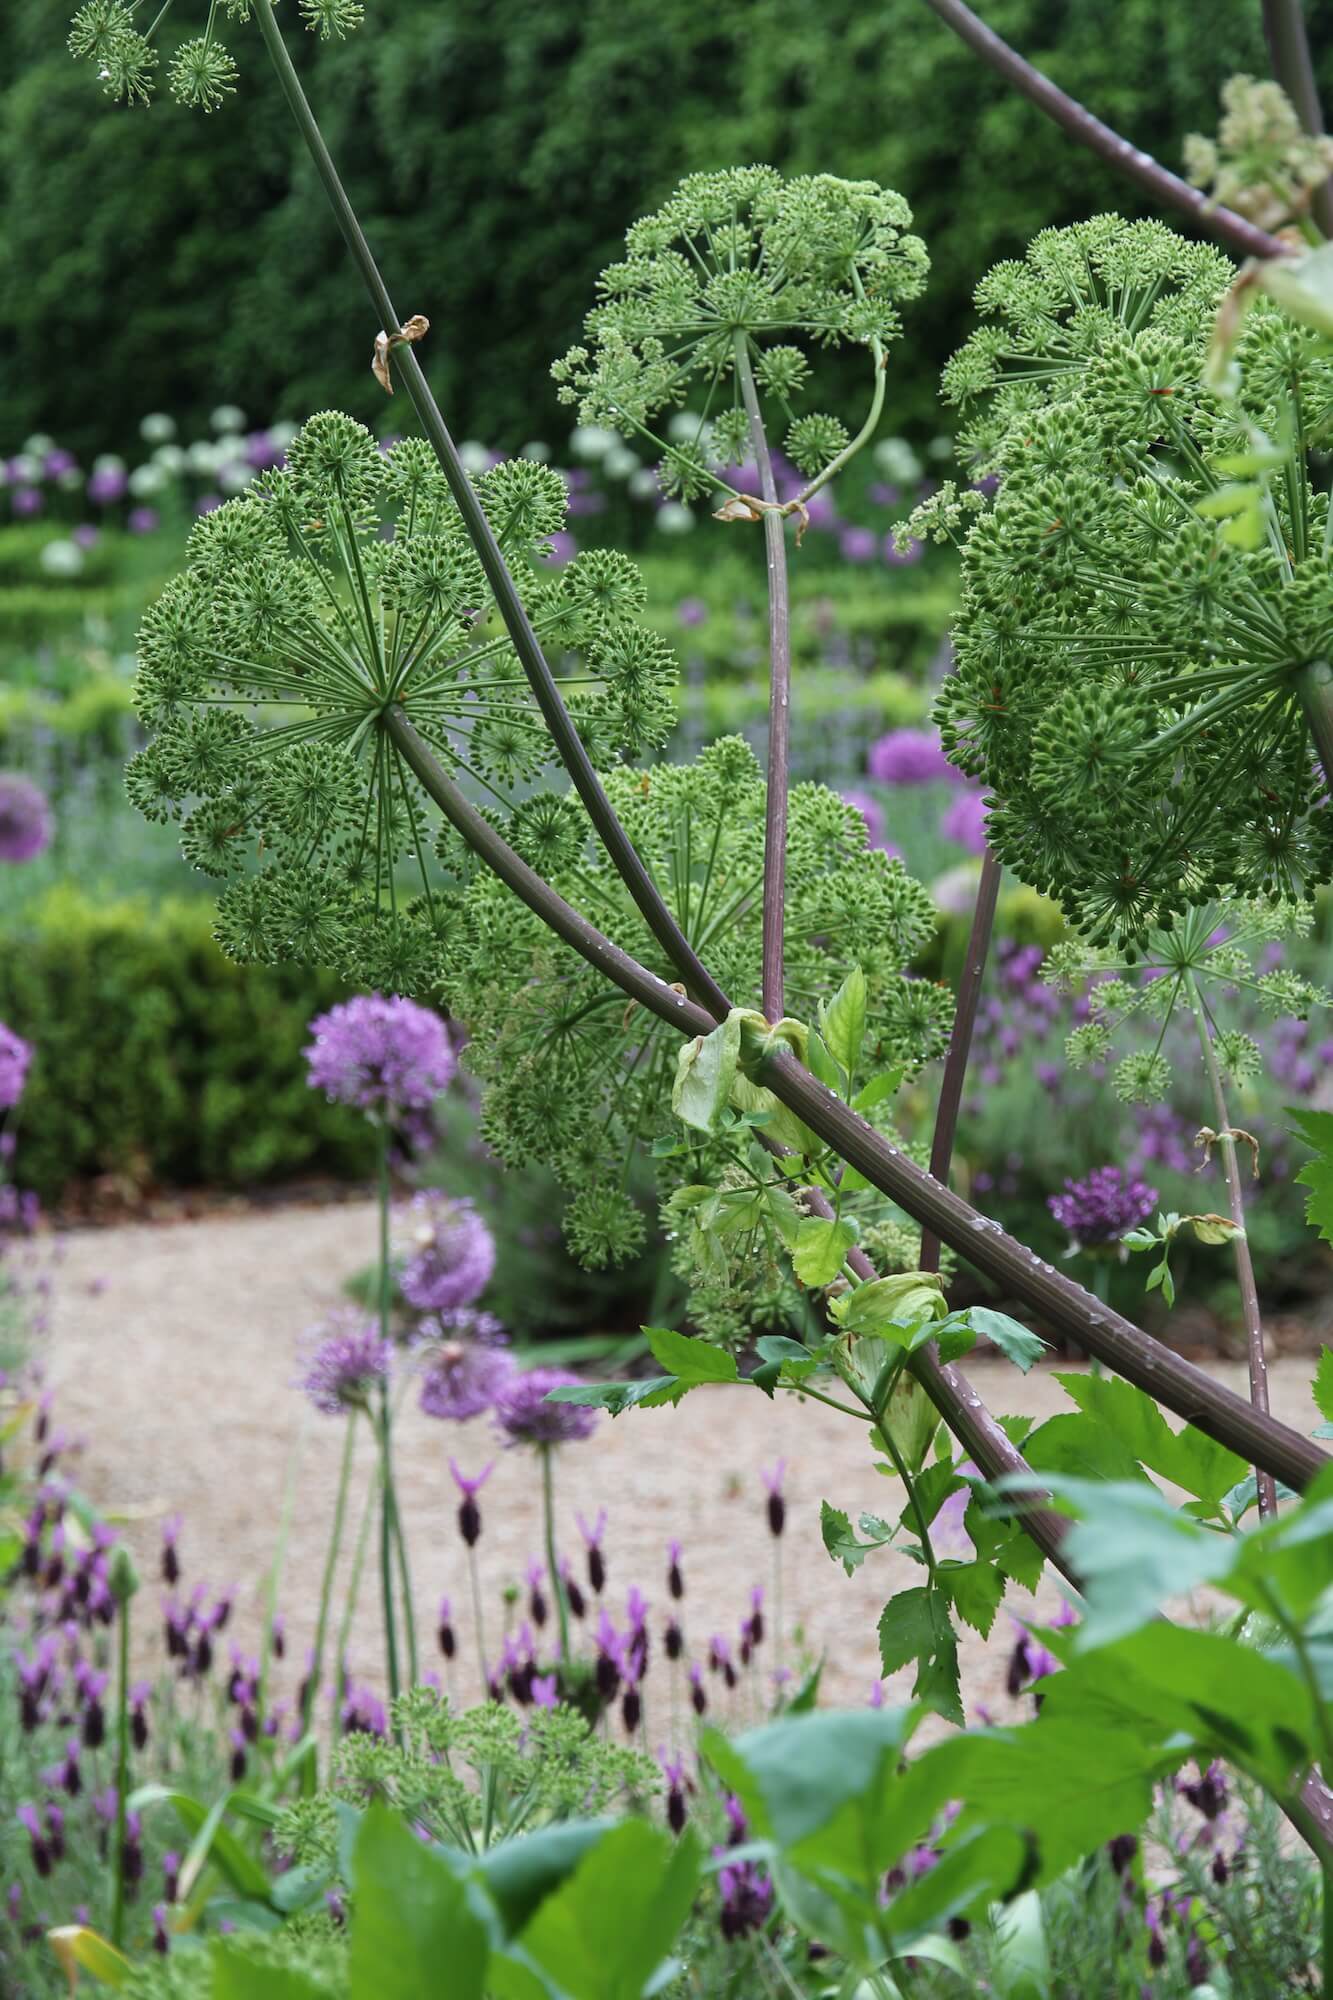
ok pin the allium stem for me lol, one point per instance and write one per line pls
(354, 1586)
(980, 1241)
(385, 1416)
(1240, 1244)
(552, 1568)
(525, 642)
(1239, 236)
(1289, 53)
(474, 1581)
(330, 1565)
(122, 1773)
(960, 1040)
(779, 696)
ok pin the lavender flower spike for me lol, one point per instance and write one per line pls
(524, 1415)
(451, 1254)
(1102, 1209)
(380, 1055)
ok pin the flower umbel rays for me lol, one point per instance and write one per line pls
(268, 668)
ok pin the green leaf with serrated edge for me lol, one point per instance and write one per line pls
(1188, 1458)
(975, 1590)
(790, 1353)
(412, 1915)
(954, 1338)
(1322, 1388)
(1316, 1128)
(907, 1628)
(938, 1683)
(1074, 1783)
(931, 1488)
(843, 1020)
(616, 1397)
(705, 1074)
(821, 1249)
(1074, 1443)
(883, 1084)
(839, 1538)
(689, 1359)
(1017, 1343)
(1022, 1560)
(1132, 1551)
(902, 1302)
(822, 1064)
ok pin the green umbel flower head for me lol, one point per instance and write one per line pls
(332, 592)
(1144, 592)
(742, 260)
(201, 72)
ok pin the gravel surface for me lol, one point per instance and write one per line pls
(174, 1351)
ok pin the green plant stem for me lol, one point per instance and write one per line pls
(960, 1040)
(982, 1243)
(548, 1523)
(330, 1565)
(909, 1484)
(354, 1584)
(1239, 236)
(122, 1776)
(474, 1580)
(384, 1424)
(779, 697)
(565, 736)
(1240, 1245)
(1289, 54)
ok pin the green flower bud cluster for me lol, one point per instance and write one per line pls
(1263, 164)
(1206, 961)
(332, 592)
(742, 261)
(201, 73)
(1134, 620)
(577, 1077)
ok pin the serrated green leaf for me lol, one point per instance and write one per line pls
(1188, 1457)
(840, 1538)
(821, 1249)
(975, 1590)
(907, 1628)
(1017, 1343)
(616, 1397)
(1322, 1387)
(1316, 1128)
(843, 1020)
(688, 1359)
(412, 1916)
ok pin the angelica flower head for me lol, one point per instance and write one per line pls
(202, 73)
(742, 264)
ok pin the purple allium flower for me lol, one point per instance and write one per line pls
(27, 501)
(858, 545)
(871, 811)
(469, 1513)
(463, 1377)
(348, 1363)
(524, 1415)
(208, 503)
(451, 1254)
(964, 821)
(26, 822)
(378, 1054)
(142, 520)
(561, 548)
(86, 536)
(909, 757)
(15, 1055)
(58, 462)
(107, 484)
(691, 611)
(1103, 1208)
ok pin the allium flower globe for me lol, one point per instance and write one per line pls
(1103, 1208)
(909, 757)
(451, 1254)
(380, 1054)
(524, 1415)
(26, 822)
(15, 1055)
(350, 1361)
(465, 1366)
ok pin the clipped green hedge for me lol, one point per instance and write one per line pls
(159, 1059)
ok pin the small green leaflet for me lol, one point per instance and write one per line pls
(616, 1397)
(1316, 1128)
(1322, 1389)
(915, 1625)
(821, 1249)
(840, 1538)
(843, 1021)
(705, 1073)
(690, 1360)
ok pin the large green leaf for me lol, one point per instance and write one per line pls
(688, 1359)
(604, 1932)
(211, 1839)
(843, 1020)
(520, 1874)
(412, 1920)
(1069, 1785)
(794, 1776)
(1316, 1128)
(1132, 1552)
(237, 1976)
(821, 1249)
(1188, 1458)
(1074, 1443)
(705, 1074)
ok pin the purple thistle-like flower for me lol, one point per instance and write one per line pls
(909, 757)
(1103, 1208)
(378, 1054)
(26, 821)
(451, 1254)
(964, 821)
(347, 1364)
(463, 1377)
(524, 1415)
(15, 1055)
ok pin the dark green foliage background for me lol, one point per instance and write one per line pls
(497, 149)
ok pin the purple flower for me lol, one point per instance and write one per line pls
(777, 1505)
(27, 501)
(561, 548)
(452, 1254)
(463, 1377)
(107, 484)
(376, 1053)
(909, 757)
(346, 1365)
(15, 1055)
(26, 824)
(872, 812)
(964, 821)
(142, 520)
(691, 611)
(58, 462)
(1103, 1208)
(86, 535)
(593, 1541)
(208, 503)
(469, 1513)
(524, 1415)
(858, 545)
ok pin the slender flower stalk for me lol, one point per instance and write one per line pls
(122, 1768)
(384, 1424)
(1240, 1242)
(960, 1040)
(547, 1453)
(348, 1619)
(779, 695)
(330, 1565)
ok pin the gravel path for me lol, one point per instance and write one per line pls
(174, 1349)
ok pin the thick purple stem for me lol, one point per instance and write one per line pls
(960, 1040)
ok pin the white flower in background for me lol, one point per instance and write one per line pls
(157, 427)
(227, 417)
(897, 461)
(643, 484)
(39, 445)
(537, 450)
(70, 481)
(26, 467)
(230, 447)
(147, 480)
(674, 518)
(108, 461)
(592, 441)
(684, 424)
(620, 462)
(171, 459)
(281, 435)
(204, 457)
(62, 558)
(235, 476)
(474, 455)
